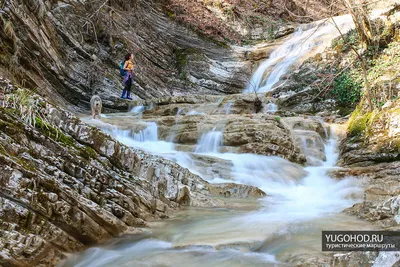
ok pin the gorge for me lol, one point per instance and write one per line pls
(191, 173)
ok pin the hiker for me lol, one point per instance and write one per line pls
(128, 76)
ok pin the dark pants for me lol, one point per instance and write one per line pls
(127, 89)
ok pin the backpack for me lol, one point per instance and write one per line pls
(122, 72)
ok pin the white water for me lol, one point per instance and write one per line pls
(146, 139)
(138, 109)
(151, 252)
(308, 40)
(271, 107)
(193, 112)
(210, 142)
(300, 201)
(287, 183)
(227, 108)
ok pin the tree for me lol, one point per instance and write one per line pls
(358, 10)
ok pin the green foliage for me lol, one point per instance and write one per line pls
(346, 89)
(53, 132)
(277, 118)
(171, 14)
(359, 123)
(88, 152)
(343, 45)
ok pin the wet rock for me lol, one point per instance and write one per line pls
(63, 192)
(372, 157)
(356, 258)
(283, 30)
(310, 260)
(236, 190)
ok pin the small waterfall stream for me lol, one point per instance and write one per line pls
(210, 142)
(301, 202)
(308, 40)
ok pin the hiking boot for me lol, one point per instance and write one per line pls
(130, 98)
(123, 96)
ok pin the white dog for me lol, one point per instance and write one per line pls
(96, 106)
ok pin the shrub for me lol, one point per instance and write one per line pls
(346, 90)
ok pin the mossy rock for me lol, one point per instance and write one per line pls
(54, 133)
(87, 153)
(182, 58)
(359, 123)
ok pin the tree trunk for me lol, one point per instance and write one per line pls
(359, 13)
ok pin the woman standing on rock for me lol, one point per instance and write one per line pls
(128, 77)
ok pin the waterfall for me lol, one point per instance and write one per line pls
(194, 112)
(148, 134)
(210, 142)
(271, 107)
(308, 39)
(146, 139)
(300, 202)
(227, 108)
(137, 109)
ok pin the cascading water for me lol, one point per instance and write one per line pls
(308, 40)
(146, 139)
(210, 142)
(193, 112)
(300, 203)
(271, 107)
(138, 109)
(227, 108)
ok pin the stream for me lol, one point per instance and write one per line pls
(300, 202)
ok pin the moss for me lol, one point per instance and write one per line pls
(171, 14)
(66, 140)
(87, 153)
(54, 133)
(9, 127)
(27, 165)
(360, 123)
(182, 58)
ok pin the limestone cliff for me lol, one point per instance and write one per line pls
(71, 50)
(65, 185)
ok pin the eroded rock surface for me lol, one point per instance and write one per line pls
(72, 50)
(66, 185)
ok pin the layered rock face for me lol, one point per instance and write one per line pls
(66, 185)
(71, 50)
(371, 153)
(184, 120)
